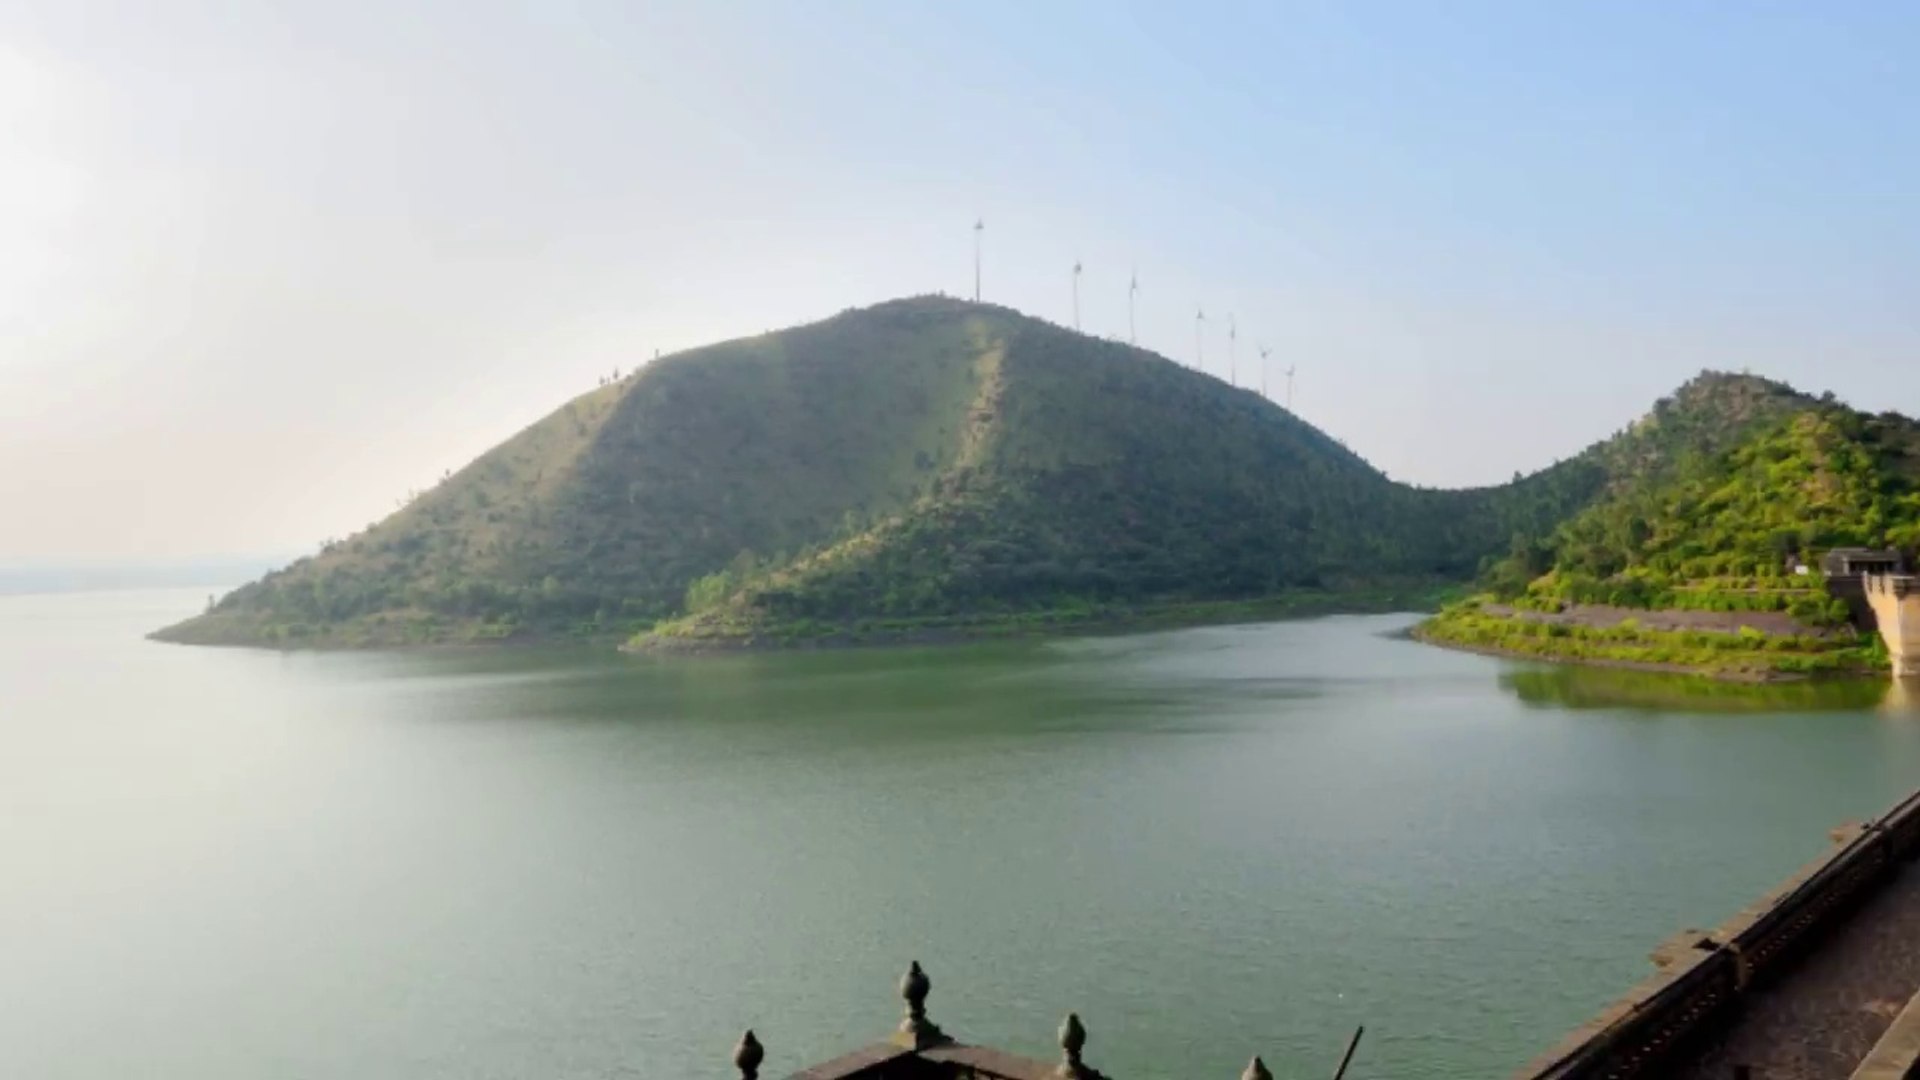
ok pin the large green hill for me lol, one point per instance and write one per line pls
(920, 462)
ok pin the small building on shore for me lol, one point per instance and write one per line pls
(1853, 562)
(1847, 571)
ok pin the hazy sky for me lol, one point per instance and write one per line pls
(264, 267)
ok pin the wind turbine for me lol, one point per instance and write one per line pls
(1264, 353)
(1233, 365)
(1199, 347)
(1290, 368)
(979, 226)
(1076, 294)
(1133, 289)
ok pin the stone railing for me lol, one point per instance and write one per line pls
(919, 1050)
(1703, 977)
(1892, 584)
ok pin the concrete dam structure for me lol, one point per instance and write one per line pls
(1894, 600)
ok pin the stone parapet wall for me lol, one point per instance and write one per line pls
(1703, 976)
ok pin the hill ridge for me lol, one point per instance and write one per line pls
(922, 458)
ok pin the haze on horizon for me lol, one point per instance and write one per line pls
(265, 268)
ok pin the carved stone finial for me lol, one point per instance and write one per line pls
(1256, 1070)
(1073, 1039)
(748, 1055)
(916, 1031)
(914, 986)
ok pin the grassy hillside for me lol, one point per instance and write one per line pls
(916, 465)
(598, 516)
(1713, 532)
(1171, 489)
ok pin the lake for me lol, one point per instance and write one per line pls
(558, 863)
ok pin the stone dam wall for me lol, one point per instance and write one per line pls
(1895, 602)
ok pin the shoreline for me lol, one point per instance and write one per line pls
(1745, 676)
(872, 633)
(338, 645)
(1741, 675)
(1024, 626)
(376, 639)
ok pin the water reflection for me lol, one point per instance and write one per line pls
(1575, 687)
(1903, 697)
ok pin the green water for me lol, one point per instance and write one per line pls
(231, 864)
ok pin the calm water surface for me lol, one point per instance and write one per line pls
(228, 864)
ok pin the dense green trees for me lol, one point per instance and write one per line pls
(1721, 531)
(1737, 530)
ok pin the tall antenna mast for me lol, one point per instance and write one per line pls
(1133, 288)
(1233, 365)
(979, 226)
(1199, 347)
(1264, 353)
(1076, 294)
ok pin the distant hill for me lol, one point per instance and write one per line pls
(1691, 524)
(1801, 477)
(917, 463)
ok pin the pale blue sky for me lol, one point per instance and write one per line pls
(265, 267)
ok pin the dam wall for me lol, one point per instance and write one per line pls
(1895, 602)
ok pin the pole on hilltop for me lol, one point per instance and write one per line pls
(1233, 364)
(979, 226)
(1133, 289)
(1076, 294)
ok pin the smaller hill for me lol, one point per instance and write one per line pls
(1695, 559)
(1708, 415)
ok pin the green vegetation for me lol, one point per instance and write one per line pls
(927, 467)
(1744, 653)
(596, 519)
(1738, 531)
(1069, 615)
(1819, 478)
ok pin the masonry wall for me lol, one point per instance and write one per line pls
(1895, 600)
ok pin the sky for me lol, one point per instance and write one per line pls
(266, 267)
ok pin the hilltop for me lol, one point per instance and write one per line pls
(1710, 560)
(925, 464)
